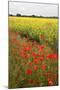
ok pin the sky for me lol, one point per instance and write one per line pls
(33, 9)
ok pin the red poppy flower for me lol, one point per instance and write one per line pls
(22, 54)
(28, 48)
(34, 54)
(41, 47)
(50, 82)
(24, 45)
(43, 67)
(30, 63)
(42, 55)
(29, 71)
(35, 68)
(40, 50)
(27, 56)
(41, 58)
(52, 56)
(36, 61)
(38, 55)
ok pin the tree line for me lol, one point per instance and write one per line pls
(19, 15)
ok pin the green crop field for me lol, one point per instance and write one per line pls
(33, 51)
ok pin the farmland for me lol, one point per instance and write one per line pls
(33, 52)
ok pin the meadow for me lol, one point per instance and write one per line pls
(33, 52)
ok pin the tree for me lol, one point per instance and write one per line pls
(10, 15)
(33, 15)
(18, 14)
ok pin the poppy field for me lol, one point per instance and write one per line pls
(33, 52)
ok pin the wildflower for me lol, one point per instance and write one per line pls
(50, 82)
(38, 55)
(35, 68)
(41, 47)
(24, 45)
(30, 63)
(34, 54)
(28, 48)
(22, 54)
(52, 56)
(29, 71)
(36, 61)
(43, 67)
(41, 58)
(27, 56)
(42, 55)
